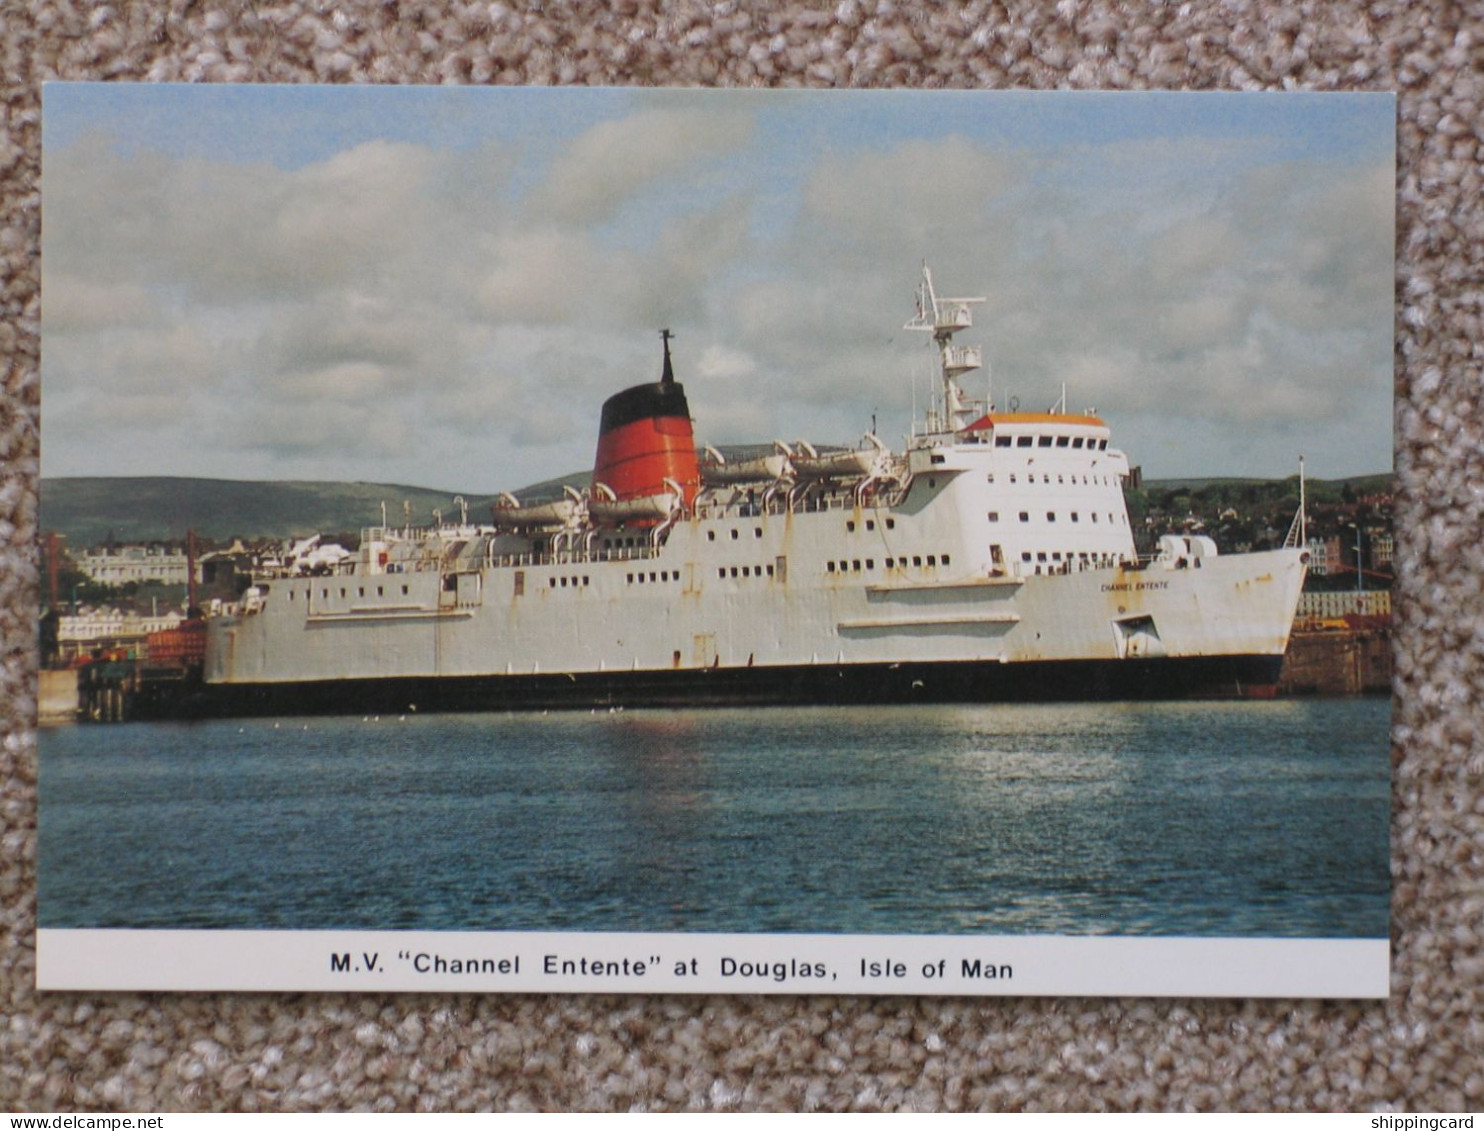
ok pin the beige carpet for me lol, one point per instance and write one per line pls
(1422, 1050)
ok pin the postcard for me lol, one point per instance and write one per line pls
(672, 541)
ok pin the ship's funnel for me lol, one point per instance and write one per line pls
(645, 438)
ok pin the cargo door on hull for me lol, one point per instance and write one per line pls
(703, 651)
(1137, 638)
(461, 590)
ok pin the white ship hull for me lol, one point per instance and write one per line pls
(993, 559)
(627, 640)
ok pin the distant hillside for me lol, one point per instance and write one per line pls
(1359, 484)
(88, 510)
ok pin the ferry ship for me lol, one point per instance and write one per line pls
(991, 559)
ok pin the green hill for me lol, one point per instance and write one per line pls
(88, 511)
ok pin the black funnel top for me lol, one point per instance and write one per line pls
(665, 397)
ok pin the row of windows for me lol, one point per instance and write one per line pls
(1047, 441)
(757, 532)
(565, 582)
(1080, 556)
(1076, 516)
(891, 524)
(1095, 480)
(360, 592)
(653, 577)
(917, 561)
(1057, 562)
(744, 571)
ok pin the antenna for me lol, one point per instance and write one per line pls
(1298, 531)
(667, 376)
(944, 317)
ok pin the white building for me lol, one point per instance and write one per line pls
(91, 628)
(1332, 606)
(118, 565)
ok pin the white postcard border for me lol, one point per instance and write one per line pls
(552, 962)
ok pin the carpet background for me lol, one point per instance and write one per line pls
(1424, 1049)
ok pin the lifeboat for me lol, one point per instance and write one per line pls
(508, 513)
(606, 507)
(717, 471)
(851, 463)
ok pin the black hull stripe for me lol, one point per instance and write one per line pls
(821, 685)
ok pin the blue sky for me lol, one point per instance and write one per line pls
(440, 286)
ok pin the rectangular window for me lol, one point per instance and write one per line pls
(994, 516)
(1002, 441)
(1043, 441)
(1023, 441)
(1063, 441)
(1077, 443)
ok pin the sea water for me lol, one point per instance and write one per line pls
(1206, 819)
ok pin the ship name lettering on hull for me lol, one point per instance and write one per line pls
(1134, 586)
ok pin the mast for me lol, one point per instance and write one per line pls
(667, 375)
(1298, 530)
(944, 317)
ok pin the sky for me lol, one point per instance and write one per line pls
(440, 286)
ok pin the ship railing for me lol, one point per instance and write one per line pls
(839, 498)
(573, 557)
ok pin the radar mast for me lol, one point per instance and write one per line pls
(944, 317)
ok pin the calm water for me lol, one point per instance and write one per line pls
(1189, 819)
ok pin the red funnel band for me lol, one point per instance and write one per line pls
(635, 459)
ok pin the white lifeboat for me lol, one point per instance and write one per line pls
(717, 471)
(508, 512)
(853, 463)
(606, 507)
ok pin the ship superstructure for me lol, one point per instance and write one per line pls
(992, 558)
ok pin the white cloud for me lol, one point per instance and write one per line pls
(611, 162)
(461, 315)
